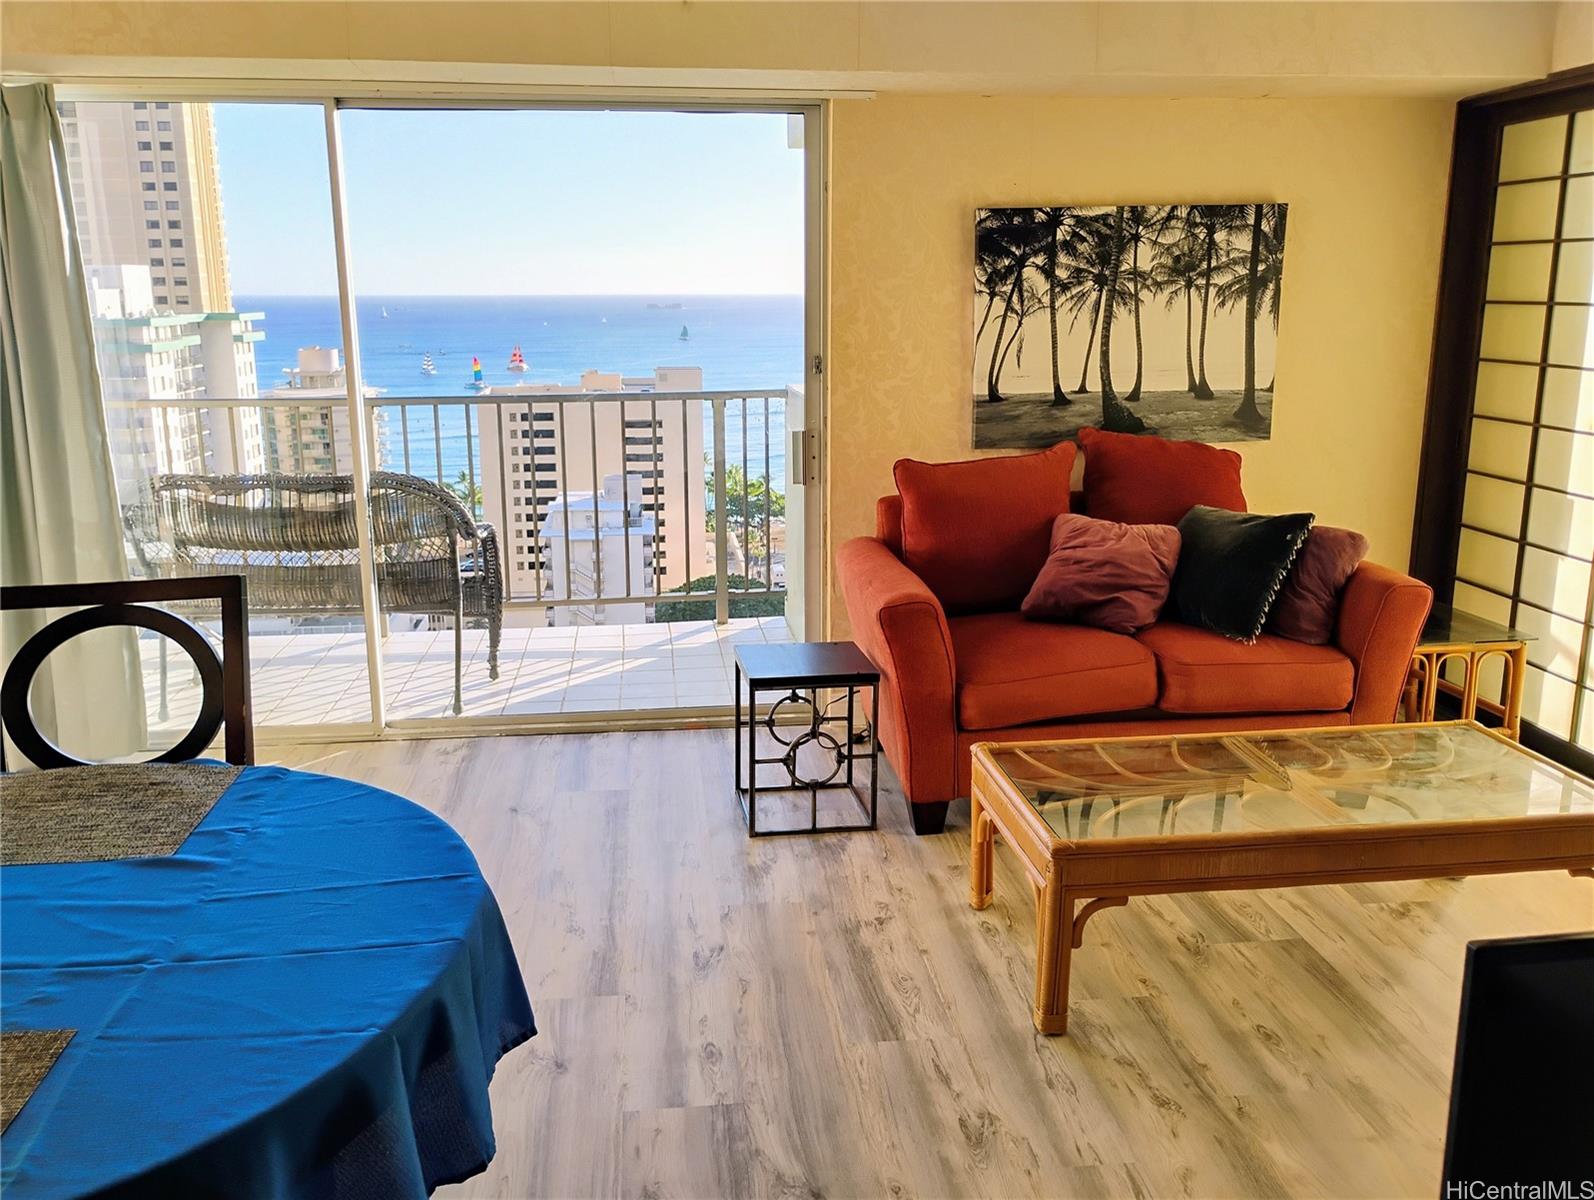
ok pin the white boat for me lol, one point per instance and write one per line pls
(384, 312)
(428, 367)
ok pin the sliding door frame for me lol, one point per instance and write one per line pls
(1458, 335)
(814, 111)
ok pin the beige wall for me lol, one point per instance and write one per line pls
(1365, 181)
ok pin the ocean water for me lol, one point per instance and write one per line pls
(738, 341)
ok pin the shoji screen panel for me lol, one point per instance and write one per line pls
(1525, 555)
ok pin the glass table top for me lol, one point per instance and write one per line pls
(1285, 780)
(1448, 626)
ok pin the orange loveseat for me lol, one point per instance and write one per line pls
(948, 682)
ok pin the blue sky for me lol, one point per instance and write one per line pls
(514, 202)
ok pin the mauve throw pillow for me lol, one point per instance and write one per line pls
(1232, 567)
(1104, 573)
(977, 531)
(1309, 602)
(1147, 480)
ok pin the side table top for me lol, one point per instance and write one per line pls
(806, 663)
(1447, 626)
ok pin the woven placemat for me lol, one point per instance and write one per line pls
(92, 814)
(26, 1056)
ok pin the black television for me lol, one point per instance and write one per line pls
(1522, 1093)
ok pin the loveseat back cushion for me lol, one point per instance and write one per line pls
(1014, 672)
(888, 522)
(1146, 480)
(977, 531)
(1204, 672)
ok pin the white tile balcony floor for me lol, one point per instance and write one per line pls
(319, 678)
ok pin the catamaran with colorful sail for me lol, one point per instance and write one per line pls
(428, 367)
(517, 361)
(476, 380)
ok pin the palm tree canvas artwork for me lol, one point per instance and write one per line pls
(1145, 318)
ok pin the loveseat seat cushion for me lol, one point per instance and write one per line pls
(1205, 672)
(1013, 672)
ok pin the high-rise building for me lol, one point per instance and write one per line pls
(157, 370)
(306, 437)
(146, 190)
(594, 541)
(651, 450)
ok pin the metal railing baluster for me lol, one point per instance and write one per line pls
(722, 602)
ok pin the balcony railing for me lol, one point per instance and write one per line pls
(601, 499)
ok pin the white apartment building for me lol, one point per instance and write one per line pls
(307, 438)
(146, 356)
(559, 439)
(594, 541)
(146, 191)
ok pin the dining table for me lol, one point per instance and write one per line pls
(251, 982)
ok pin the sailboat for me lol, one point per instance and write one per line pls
(517, 361)
(428, 367)
(476, 380)
(384, 312)
(684, 335)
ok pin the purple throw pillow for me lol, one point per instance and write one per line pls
(1308, 603)
(1104, 573)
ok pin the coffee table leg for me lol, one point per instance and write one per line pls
(1053, 956)
(981, 837)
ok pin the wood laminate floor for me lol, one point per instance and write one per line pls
(826, 1016)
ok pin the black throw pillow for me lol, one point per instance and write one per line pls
(1231, 567)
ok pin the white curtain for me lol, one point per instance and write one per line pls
(59, 518)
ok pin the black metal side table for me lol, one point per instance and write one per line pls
(797, 668)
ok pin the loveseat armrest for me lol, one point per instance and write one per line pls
(1381, 614)
(898, 622)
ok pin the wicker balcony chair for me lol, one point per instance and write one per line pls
(296, 539)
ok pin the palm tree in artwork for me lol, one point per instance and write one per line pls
(1244, 286)
(1270, 278)
(1005, 243)
(1176, 274)
(1143, 225)
(1115, 415)
(1054, 225)
(1212, 225)
(1085, 277)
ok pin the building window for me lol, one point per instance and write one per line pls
(152, 224)
(173, 204)
(182, 299)
(151, 205)
(180, 282)
(140, 105)
(144, 146)
(154, 243)
(174, 224)
(179, 262)
(168, 167)
(149, 187)
(141, 126)
(168, 187)
(163, 126)
(166, 145)
(158, 280)
(146, 168)
(162, 105)
(157, 262)
(163, 300)
(176, 243)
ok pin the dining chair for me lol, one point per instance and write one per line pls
(224, 681)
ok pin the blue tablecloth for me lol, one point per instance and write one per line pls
(307, 999)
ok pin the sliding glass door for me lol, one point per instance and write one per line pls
(203, 227)
(495, 406)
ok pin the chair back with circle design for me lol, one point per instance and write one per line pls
(224, 699)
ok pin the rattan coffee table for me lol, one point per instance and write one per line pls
(1099, 821)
